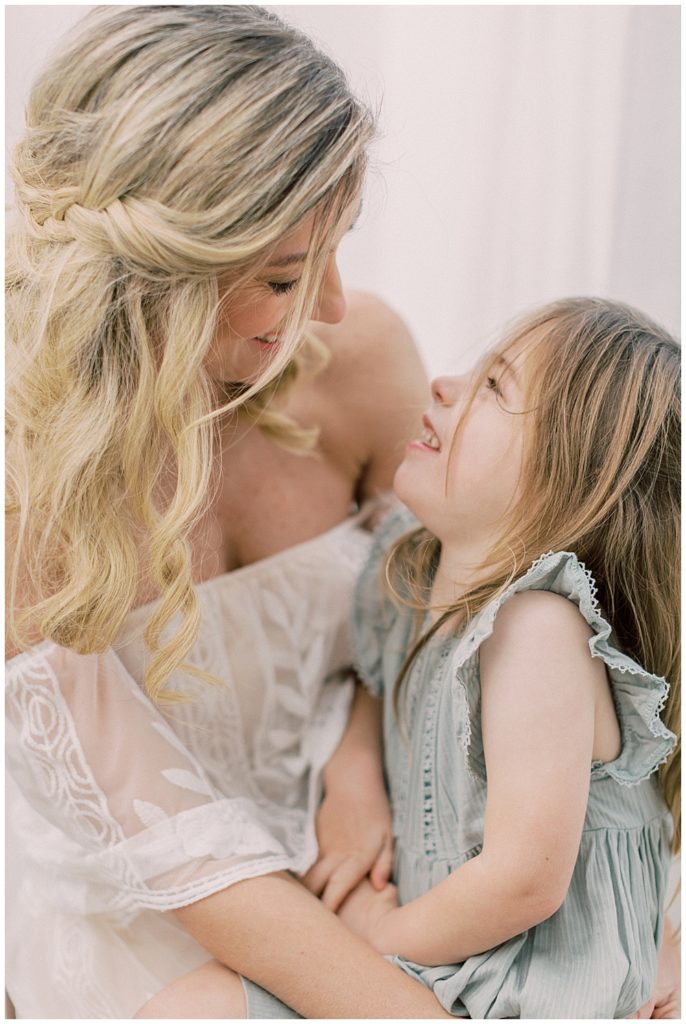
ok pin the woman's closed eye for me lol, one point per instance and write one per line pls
(283, 287)
(492, 385)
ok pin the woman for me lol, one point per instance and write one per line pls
(182, 469)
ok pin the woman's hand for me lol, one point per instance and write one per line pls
(366, 911)
(355, 840)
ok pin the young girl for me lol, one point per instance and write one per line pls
(525, 654)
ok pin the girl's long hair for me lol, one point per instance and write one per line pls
(166, 147)
(600, 477)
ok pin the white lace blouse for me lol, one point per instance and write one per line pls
(118, 810)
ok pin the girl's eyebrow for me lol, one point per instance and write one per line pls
(509, 367)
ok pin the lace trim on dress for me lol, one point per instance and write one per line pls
(639, 695)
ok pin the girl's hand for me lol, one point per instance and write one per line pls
(665, 999)
(366, 911)
(355, 840)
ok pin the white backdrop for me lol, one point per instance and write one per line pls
(527, 152)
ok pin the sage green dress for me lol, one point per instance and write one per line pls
(596, 956)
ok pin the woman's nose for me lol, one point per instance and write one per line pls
(331, 304)
(445, 390)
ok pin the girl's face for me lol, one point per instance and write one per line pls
(250, 320)
(460, 486)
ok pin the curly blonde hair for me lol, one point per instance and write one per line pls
(166, 147)
(600, 477)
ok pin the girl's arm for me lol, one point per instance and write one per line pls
(538, 703)
(273, 931)
(354, 820)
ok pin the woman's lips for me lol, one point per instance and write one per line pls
(267, 342)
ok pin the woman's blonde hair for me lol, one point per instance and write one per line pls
(166, 147)
(600, 476)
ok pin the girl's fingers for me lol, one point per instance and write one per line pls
(343, 880)
(669, 1011)
(644, 1013)
(316, 878)
(383, 865)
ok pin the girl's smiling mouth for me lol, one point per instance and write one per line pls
(429, 441)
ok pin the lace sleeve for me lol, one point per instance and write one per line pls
(131, 818)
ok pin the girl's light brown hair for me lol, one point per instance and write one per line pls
(600, 477)
(167, 147)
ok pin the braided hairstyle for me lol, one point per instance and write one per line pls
(166, 147)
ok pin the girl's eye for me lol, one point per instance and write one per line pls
(282, 287)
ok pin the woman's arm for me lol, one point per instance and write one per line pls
(537, 724)
(272, 930)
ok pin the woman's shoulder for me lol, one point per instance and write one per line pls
(373, 354)
(374, 387)
(370, 329)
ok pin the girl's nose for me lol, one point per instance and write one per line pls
(445, 390)
(331, 304)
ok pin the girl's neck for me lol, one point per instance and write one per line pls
(458, 568)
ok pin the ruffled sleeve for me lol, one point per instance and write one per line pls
(374, 615)
(130, 817)
(639, 696)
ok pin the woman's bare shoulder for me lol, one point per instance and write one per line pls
(371, 335)
(377, 383)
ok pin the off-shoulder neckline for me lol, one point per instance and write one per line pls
(262, 564)
(224, 578)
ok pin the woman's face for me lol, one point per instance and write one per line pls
(250, 320)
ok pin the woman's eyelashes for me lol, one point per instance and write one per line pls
(283, 287)
(492, 385)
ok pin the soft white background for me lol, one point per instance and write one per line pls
(527, 152)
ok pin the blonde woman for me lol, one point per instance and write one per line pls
(193, 414)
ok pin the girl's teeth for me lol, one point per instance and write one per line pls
(430, 439)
